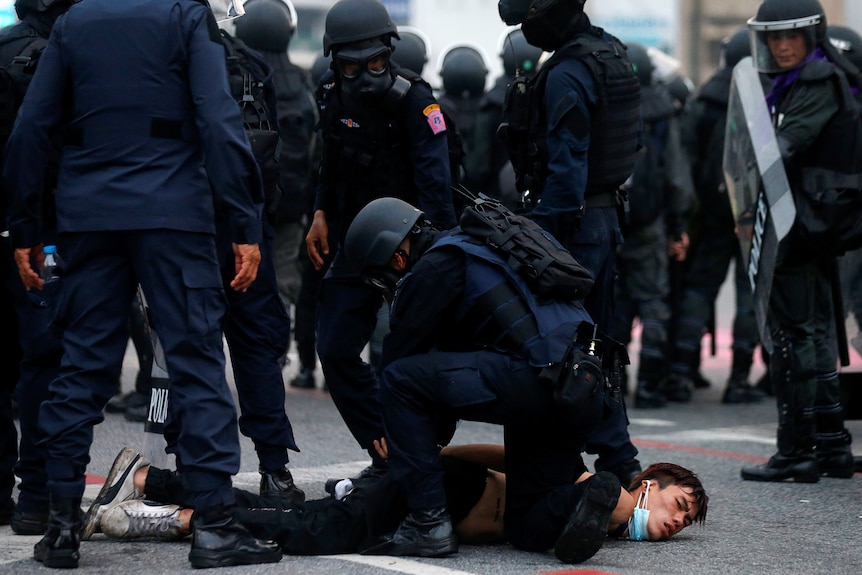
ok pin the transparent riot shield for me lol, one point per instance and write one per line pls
(154, 440)
(757, 186)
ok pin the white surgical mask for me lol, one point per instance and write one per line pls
(640, 518)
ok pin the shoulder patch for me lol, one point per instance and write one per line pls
(434, 116)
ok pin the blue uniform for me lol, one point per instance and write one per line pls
(442, 362)
(371, 151)
(593, 237)
(141, 90)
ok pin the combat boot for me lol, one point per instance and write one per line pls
(834, 454)
(648, 395)
(738, 390)
(219, 540)
(425, 533)
(795, 459)
(59, 547)
(280, 483)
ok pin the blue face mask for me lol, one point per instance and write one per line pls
(640, 518)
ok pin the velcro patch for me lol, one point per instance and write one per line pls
(434, 115)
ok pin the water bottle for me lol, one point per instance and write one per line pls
(51, 267)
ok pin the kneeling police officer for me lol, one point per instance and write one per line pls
(468, 340)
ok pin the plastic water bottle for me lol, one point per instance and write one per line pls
(50, 269)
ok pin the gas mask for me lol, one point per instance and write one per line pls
(364, 70)
(226, 10)
(639, 520)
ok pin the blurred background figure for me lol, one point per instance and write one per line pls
(412, 50)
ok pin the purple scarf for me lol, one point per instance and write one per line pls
(785, 80)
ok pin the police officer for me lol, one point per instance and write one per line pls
(412, 49)
(489, 157)
(451, 355)
(850, 45)
(463, 70)
(715, 244)
(817, 126)
(384, 135)
(35, 362)
(659, 195)
(134, 206)
(572, 149)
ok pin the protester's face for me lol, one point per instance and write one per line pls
(787, 47)
(672, 509)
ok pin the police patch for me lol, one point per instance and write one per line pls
(434, 115)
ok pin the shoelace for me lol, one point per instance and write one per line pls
(153, 522)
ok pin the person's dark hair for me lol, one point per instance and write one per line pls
(667, 474)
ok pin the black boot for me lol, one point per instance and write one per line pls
(834, 454)
(281, 483)
(59, 547)
(648, 395)
(588, 525)
(795, 459)
(422, 534)
(219, 540)
(738, 390)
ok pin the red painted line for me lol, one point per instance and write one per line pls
(698, 450)
(577, 572)
(94, 479)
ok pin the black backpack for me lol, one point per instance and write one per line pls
(549, 269)
(250, 80)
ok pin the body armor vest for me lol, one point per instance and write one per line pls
(498, 310)
(614, 120)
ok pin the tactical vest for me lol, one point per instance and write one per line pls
(498, 310)
(614, 122)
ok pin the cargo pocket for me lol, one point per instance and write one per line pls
(205, 298)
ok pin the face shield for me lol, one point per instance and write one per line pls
(226, 10)
(782, 45)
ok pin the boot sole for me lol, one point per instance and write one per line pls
(65, 560)
(587, 528)
(205, 559)
(806, 478)
(442, 548)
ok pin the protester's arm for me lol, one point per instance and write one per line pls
(490, 455)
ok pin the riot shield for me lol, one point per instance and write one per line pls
(757, 186)
(154, 441)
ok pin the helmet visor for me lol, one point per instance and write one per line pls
(782, 45)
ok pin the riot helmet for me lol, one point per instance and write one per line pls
(735, 47)
(352, 21)
(516, 11)
(24, 7)
(641, 62)
(375, 235)
(848, 43)
(785, 32)
(463, 71)
(268, 25)
(319, 67)
(413, 50)
(518, 54)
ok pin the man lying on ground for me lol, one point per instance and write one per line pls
(661, 501)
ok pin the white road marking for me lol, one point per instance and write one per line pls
(399, 565)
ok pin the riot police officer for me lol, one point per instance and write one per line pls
(134, 206)
(817, 127)
(451, 355)
(412, 49)
(714, 245)
(384, 135)
(572, 144)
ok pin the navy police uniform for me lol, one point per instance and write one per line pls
(587, 149)
(393, 147)
(445, 360)
(134, 205)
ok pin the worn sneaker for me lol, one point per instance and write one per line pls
(137, 518)
(119, 486)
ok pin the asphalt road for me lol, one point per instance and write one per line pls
(752, 528)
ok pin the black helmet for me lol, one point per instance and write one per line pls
(319, 67)
(848, 43)
(463, 71)
(517, 53)
(412, 50)
(516, 11)
(24, 7)
(350, 21)
(268, 25)
(641, 62)
(775, 17)
(377, 231)
(735, 47)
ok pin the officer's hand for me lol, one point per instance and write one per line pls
(381, 448)
(29, 277)
(246, 259)
(317, 240)
(677, 248)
